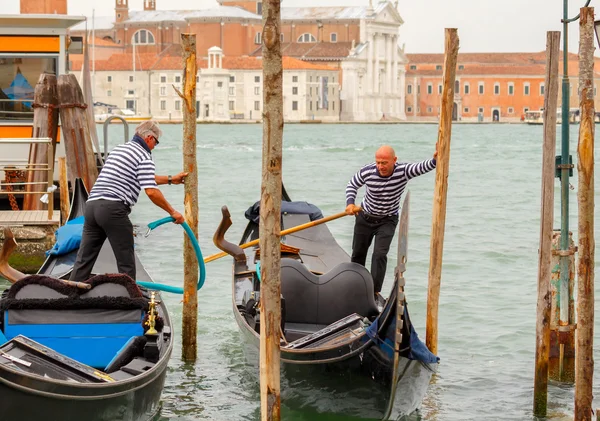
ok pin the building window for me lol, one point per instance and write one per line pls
(231, 105)
(511, 88)
(130, 104)
(231, 90)
(259, 8)
(130, 78)
(177, 79)
(280, 37)
(440, 88)
(257, 79)
(143, 36)
(525, 109)
(461, 67)
(418, 89)
(257, 90)
(109, 93)
(219, 84)
(310, 91)
(413, 67)
(306, 38)
(481, 90)
(130, 92)
(257, 38)
(466, 110)
(256, 105)
(294, 105)
(333, 37)
(109, 78)
(429, 109)
(177, 105)
(333, 105)
(295, 90)
(429, 88)
(542, 90)
(526, 88)
(231, 79)
(496, 88)
(163, 105)
(294, 79)
(163, 79)
(467, 88)
(409, 89)
(480, 110)
(409, 109)
(310, 105)
(438, 67)
(511, 110)
(163, 91)
(197, 79)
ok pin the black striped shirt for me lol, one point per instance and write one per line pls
(128, 169)
(382, 196)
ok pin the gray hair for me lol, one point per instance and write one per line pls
(148, 127)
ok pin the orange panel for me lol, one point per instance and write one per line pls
(18, 132)
(29, 44)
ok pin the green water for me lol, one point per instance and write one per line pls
(489, 277)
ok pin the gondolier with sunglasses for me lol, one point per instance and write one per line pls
(377, 217)
(128, 169)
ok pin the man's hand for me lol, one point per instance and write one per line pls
(437, 146)
(352, 209)
(179, 178)
(178, 217)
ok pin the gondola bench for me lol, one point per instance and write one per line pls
(90, 327)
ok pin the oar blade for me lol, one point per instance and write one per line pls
(403, 231)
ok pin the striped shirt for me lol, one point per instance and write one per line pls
(382, 196)
(128, 169)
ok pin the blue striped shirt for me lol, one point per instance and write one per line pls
(128, 169)
(382, 196)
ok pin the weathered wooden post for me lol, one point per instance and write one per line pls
(270, 213)
(45, 124)
(190, 274)
(584, 366)
(81, 160)
(63, 182)
(542, 342)
(441, 188)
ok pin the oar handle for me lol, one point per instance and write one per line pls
(282, 233)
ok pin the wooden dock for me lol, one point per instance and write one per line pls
(39, 217)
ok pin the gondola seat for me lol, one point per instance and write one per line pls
(313, 302)
(90, 326)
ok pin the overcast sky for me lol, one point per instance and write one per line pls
(483, 25)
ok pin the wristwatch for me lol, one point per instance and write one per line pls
(170, 179)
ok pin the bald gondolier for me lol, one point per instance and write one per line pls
(377, 217)
(128, 169)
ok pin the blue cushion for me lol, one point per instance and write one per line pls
(68, 237)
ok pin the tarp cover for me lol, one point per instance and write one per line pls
(68, 237)
(314, 213)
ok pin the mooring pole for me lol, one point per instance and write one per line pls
(544, 303)
(270, 213)
(441, 188)
(584, 365)
(63, 182)
(190, 271)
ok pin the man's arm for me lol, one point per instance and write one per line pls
(176, 179)
(356, 182)
(159, 200)
(423, 167)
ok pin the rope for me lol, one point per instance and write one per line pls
(201, 267)
(11, 176)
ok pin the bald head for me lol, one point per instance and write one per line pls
(385, 159)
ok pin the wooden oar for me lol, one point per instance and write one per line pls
(282, 233)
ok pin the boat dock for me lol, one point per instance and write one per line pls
(39, 217)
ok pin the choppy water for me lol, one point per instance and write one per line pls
(489, 278)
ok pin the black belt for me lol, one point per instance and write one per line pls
(374, 218)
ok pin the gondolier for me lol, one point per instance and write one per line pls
(128, 169)
(377, 217)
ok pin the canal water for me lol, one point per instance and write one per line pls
(489, 278)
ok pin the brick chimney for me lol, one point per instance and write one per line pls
(149, 4)
(44, 7)
(121, 10)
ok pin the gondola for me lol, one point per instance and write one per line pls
(94, 351)
(343, 349)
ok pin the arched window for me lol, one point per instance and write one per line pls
(143, 37)
(306, 38)
(258, 38)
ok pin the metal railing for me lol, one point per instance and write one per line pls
(29, 167)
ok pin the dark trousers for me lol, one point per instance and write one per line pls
(365, 229)
(105, 219)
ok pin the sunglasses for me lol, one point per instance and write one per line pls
(155, 140)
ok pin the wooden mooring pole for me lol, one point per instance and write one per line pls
(190, 274)
(584, 365)
(63, 183)
(542, 342)
(270, 213)
(441, 188)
